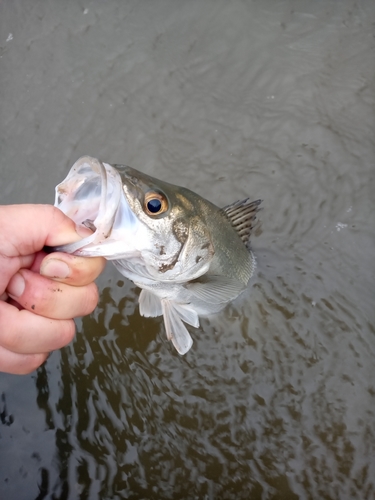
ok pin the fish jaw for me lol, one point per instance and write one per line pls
(91, 195)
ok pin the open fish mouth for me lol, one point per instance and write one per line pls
(92, 196)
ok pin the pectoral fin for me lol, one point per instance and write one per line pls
(149, 304)
(215, 289)
(175, 328)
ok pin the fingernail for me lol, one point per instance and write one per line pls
(54, 268)
(16, 286)
(83, 231)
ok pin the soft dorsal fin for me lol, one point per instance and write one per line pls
(242, 215)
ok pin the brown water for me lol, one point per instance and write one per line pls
(269, 99)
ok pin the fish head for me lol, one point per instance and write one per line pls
(153, 229)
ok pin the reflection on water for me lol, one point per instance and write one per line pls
(265, 404)
(273, 100)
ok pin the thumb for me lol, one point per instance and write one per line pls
(28, 228)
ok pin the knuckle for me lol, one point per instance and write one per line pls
(40, 294)
(30, 362)
(10, 341)
(68, 331)
(91, 298)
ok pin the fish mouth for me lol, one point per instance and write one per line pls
(92, 196)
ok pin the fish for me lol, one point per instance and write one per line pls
(189, 257)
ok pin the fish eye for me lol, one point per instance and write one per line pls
(155, 203)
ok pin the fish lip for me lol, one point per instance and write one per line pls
(112, 199)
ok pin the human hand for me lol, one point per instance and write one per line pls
(40, 293)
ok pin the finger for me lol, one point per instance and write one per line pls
(10, 265)
(70, 269)
(52, 228)
(20, 364)
(23, 332)
(45, 297)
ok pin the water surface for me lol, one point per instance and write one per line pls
(267, 99)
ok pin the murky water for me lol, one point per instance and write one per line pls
(269, 99)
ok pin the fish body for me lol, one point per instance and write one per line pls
(189, 257)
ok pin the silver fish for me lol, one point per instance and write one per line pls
(189, 257)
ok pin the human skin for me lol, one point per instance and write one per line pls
(40, 293)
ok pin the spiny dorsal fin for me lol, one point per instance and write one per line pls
(242, 215)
